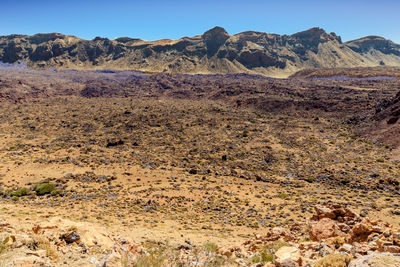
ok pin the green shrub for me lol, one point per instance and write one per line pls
(210, 247)
(283, 195)
(44, 188)
(154, 258)
(3, 247)
(309, 179)
(20, 192)
(266, 257)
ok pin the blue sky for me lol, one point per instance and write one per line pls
(156, 19)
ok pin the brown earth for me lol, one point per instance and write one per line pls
(167, 168)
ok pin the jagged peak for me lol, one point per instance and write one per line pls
(316, 35)
(47, 37)
(127, 39)
(313, 32)
(369, 38)
(214, 39)
(98, 38)
(215, 32)
(365, 44)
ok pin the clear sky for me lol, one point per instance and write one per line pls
(157, 19)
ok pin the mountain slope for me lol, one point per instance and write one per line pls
(213, 52)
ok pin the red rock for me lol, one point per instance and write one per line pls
(392, 249)
(277, 233)
(396, 238)
(361, 231)
(324, 212)
(361, 249)
(335, 212)
(225, 251)
(323, 229)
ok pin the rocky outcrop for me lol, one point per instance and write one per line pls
(214, 39)
(215, 51)
(339, 237)
(354, 242)
(366, 44)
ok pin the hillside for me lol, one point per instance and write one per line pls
(118, 168)
(215, 51)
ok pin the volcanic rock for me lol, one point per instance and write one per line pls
(213, 52)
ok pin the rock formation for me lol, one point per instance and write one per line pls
(213, 52)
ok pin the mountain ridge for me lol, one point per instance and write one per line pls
(215, 51)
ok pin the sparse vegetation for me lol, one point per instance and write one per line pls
(210, 247)
(20, 192)
(206, 165)
(334, 260)
(44, 188)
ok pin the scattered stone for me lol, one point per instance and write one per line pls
(71, 237)
(115, 143)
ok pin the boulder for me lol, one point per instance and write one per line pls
(277, 233)
(376, 260)
(361, 231)
(286, 254)
(224, 251)
(347, 248)
(334, 212)
(323, 229)
(324, 212)
(89, 234)
(71, 237)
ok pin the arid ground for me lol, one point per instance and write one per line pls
(179, 167)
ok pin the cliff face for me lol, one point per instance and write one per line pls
(213, 52)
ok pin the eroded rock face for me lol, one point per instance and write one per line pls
(313, 37)
(214, 52)
(214, 38)
(364, 45)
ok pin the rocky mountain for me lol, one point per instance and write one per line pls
(213, 52)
